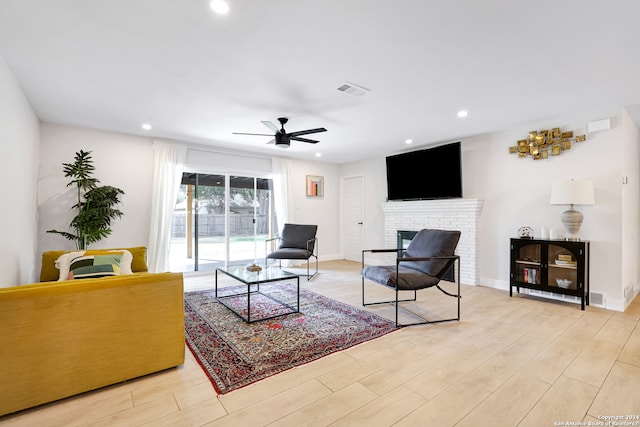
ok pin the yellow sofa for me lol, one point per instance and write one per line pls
(61, 338)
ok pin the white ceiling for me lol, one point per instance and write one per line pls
(197, 77)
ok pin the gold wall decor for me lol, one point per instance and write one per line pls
(541, 144)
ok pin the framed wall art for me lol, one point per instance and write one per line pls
(315, 186)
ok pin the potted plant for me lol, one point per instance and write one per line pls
(96, 206)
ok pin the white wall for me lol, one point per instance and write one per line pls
(516, 193)
(323, 211)
(122, 161)
(19, 139)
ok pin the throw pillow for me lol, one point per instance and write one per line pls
(64, 261)
(94, 266)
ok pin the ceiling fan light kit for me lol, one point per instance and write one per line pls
(283, 139)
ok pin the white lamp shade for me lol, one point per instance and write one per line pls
(572, 192)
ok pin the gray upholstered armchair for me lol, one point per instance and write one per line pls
(427, 260)
(297, 241)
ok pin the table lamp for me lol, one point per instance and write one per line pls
(571, 193)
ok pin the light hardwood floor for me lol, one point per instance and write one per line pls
(515, 361)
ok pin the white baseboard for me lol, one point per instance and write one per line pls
(502, 285)
(614, 304)
(321, 258)
(330, 257)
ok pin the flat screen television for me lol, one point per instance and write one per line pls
(432, 173)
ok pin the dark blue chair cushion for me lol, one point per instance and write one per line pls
(431, 243)
(410, 279)
(289, 253)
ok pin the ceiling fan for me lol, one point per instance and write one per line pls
(283, 139)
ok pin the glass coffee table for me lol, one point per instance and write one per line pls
(253, 279)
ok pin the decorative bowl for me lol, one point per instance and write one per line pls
(525, 232)
(564, 283)
(254, 267)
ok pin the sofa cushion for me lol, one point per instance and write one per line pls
(139, 262)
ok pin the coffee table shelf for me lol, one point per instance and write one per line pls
(253, 279)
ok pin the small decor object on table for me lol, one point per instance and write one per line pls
(572, 192)
(315, 186)
(525, 232)
(544, 233)
(254, 267)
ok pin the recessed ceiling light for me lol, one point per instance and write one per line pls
(318, 154)
(146, 126)
(408, 141)
(462, 113)
(220, 7)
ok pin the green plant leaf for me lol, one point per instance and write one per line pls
(96, 205)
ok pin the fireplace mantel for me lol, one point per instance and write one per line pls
(448, 214)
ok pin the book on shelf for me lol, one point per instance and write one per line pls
(529, 275)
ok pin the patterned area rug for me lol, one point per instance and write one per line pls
(235, 354)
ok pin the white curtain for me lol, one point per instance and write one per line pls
(282, 189)
(283, 194)
(168, 165)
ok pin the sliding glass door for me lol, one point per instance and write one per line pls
(220, 219)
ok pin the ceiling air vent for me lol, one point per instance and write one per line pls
(353, 89)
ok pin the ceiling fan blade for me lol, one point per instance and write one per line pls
(310, 141)
(270, 125)
(308, 131)
(273, 141)
(259, 134)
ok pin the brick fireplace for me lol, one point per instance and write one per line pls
(449, 214)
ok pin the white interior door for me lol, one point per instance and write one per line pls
(353, 217)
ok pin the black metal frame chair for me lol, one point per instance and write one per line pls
(414, 270)
(297, 241)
